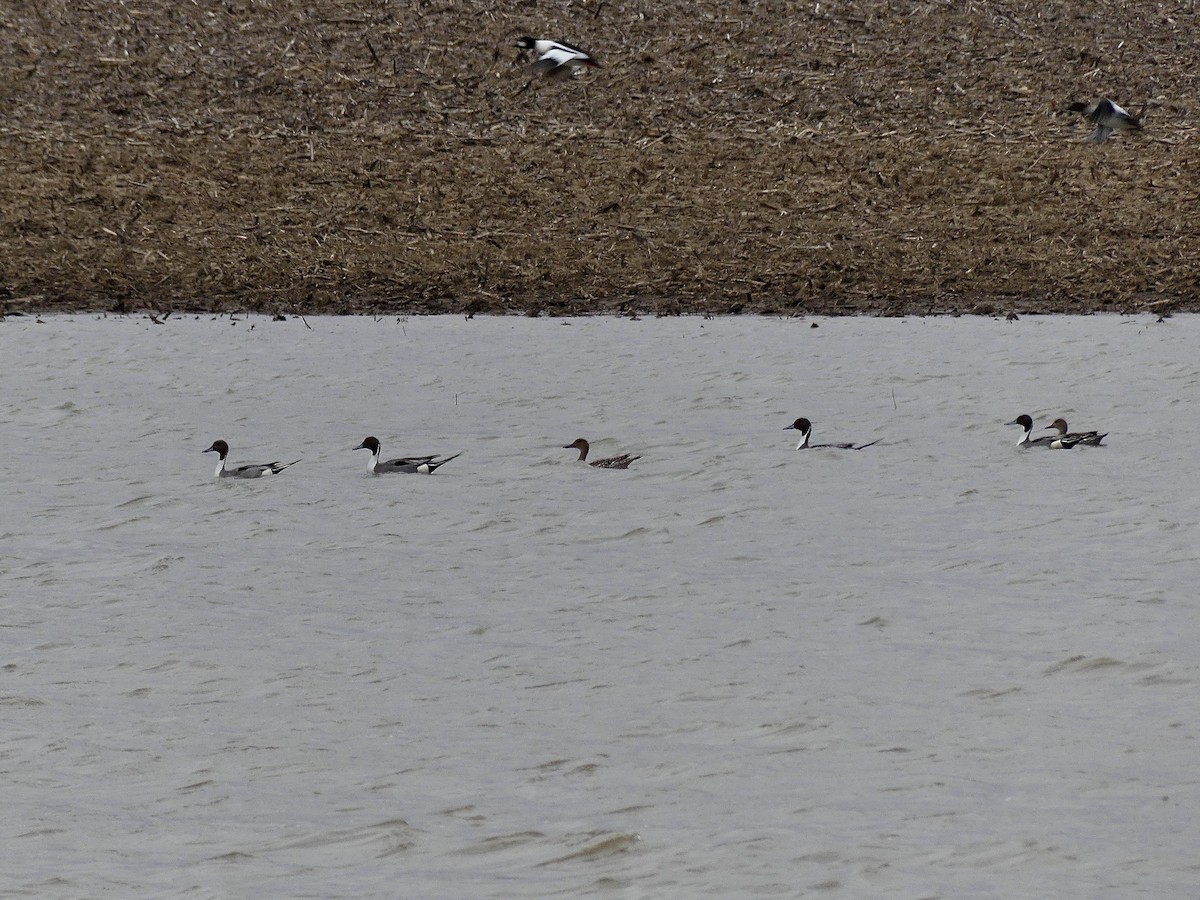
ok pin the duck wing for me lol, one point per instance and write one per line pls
(615, 462)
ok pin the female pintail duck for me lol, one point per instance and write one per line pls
(555, 59)
(1107, 117)
(1047, 441)
(1081, 438)
(804, 426)
(612, 462)
(250, 470)
(404, 465)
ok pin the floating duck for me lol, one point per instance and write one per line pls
(249, 470)
(404, 465)
(1081, 438)
(1047, 441)
(612, 462)
(804, 426)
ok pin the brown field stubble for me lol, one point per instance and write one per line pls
(380, 156)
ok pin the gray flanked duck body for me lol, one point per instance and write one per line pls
(804, 426)
(404, 465)
(1049, 442)
(247, 470)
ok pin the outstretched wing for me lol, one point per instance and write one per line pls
(557, 57)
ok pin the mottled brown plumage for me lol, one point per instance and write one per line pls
(611, 462)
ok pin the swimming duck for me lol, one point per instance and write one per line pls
(556, 60)
(612, 462)
(1081, 438)
(250, 470)
(1107, 117)
(804, 426)
(404, 465)
(1047, 441)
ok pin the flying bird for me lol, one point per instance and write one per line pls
(556, 60)
(1107, 117)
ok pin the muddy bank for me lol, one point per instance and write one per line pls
(858, 157)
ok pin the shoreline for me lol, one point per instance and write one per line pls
(160, 316)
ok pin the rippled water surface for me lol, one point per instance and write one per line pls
(938, 667)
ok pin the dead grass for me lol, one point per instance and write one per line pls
(376, 156)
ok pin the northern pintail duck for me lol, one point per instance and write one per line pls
(612, 462)
(804, 426)
(404, 465)
(1107, 117)
(1081, 438)
(1048, 441)
(250, 470)
(556, 60)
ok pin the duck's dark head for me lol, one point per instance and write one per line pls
(1024, 421)
(526, 43)
(801, 425)
(368, 443)
(578, 444)
(220, 448)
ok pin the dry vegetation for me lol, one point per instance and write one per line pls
(378, 156)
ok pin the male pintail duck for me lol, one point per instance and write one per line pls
(1047, 441)
(1081, 438)
(250, 470)
(1107, 117)
(555, 59)
(612, 462)
(804, 426)
(405, 465)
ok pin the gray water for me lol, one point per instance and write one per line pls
(938, 667)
